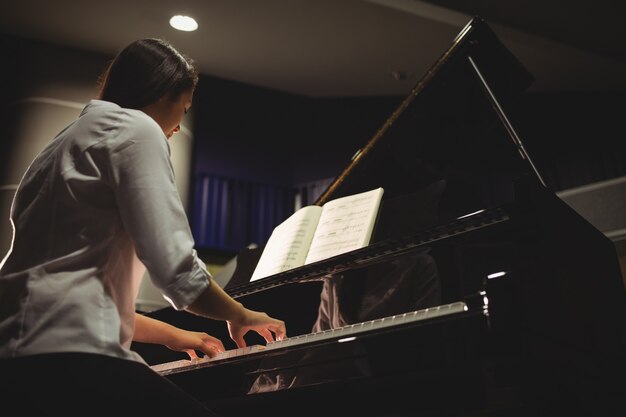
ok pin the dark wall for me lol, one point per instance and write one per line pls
(243, 131)
(574, 138)
(254, 133)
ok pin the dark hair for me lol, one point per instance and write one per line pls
(145, 71)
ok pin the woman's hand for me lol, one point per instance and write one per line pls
(149, 330)
(192, 342)
(269, 328)
(216, 304)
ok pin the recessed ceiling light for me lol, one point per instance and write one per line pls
(185, 23)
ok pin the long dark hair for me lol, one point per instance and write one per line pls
(145, 71)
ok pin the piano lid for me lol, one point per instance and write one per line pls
(449, 146)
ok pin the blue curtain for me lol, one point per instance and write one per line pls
(230, 214)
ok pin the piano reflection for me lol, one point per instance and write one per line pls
(481, 292)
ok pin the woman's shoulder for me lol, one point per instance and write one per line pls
(119, 123)
(108, 111)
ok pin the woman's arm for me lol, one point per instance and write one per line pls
(215, 303)
(149, 330)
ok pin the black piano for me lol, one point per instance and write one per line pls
(481, 292)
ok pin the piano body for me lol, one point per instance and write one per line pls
(481, 293)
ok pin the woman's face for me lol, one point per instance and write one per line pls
(168, 113)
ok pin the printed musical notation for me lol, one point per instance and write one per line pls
(314, 233)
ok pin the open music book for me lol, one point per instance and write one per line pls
(314, 233)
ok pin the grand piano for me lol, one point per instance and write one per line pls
(481, 292)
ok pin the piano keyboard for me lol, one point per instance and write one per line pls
(342, 334)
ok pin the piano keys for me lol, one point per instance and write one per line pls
(343, 334)
(538, 325)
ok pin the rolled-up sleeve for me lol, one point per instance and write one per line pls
(152, 212)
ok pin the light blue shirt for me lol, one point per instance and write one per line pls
(95, 208)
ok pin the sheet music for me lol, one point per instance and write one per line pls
(314, 233)
(345, 224)
(288, 245)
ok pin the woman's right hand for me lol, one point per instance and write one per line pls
(269, 328)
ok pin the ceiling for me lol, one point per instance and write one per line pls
(322, 48)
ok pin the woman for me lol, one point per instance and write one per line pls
(95, 208)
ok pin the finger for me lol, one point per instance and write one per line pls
(267, 335)
(212, 343)
(217, 344)
(280, 332)
(209, 350)
(192, 354)
(212, 350)
(240, 341)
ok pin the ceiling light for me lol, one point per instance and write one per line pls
(185, 23)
